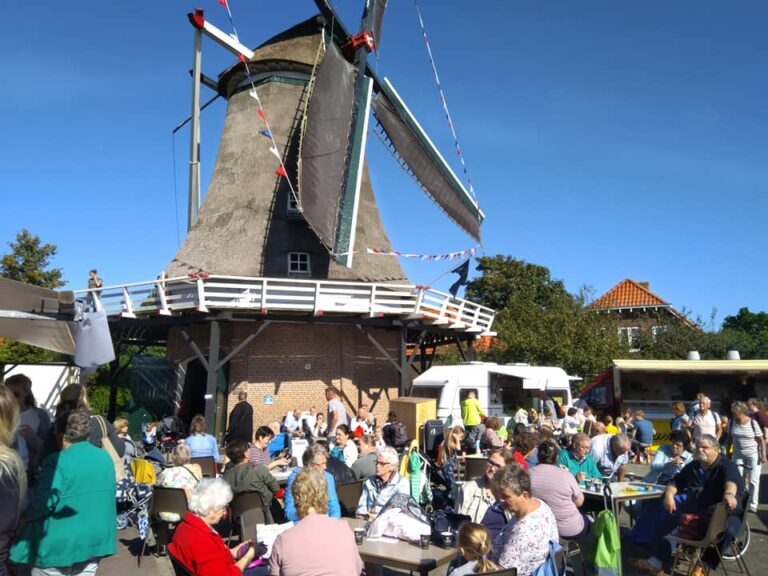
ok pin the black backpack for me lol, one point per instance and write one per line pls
(396, 435)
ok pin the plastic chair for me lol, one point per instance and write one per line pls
(171, 500)
(349, 496)
(178, 568)
(692, 550)
(247, 502)
(207, 465)
(248, 521)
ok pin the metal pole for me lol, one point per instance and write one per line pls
(194, 144)
(211, 380)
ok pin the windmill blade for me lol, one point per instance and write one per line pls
(416, 152)
(324, 199)
(377, 8)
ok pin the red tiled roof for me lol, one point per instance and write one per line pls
(628, 294)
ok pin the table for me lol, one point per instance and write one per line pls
(400, 554)
(280, 476)
(620, 492)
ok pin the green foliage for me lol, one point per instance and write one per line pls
(747, 332)
(540, 322)
(28, 262)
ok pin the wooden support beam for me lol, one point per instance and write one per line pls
(210, 381)
(195, 349)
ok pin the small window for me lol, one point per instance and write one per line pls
(293, 204)
(298, 264)
(631, 335)
(656, 330)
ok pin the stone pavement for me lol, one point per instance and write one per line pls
(124, 563)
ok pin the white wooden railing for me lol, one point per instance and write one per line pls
(203, 293)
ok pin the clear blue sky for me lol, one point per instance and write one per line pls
(605, 139)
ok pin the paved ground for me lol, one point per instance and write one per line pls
(124, 563)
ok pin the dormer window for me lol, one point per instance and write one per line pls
(298, 264)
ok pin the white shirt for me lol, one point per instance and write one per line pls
(603, 455)
(366, 424)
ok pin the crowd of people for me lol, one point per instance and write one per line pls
(59, 479)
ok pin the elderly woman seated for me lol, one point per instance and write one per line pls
(318, 544)
(475, 496)
(670, 458)
(181, 475)
(524, 542)
(198, 547)
(315, 456)
(379, 489)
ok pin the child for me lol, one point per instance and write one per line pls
(570, 424)
(474, 545)
(609, 426)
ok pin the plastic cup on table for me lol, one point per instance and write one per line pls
(447, 539)
(359, 535)
(424, 540)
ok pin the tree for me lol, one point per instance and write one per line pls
(28, 262)
(538, 321)
(747, 332)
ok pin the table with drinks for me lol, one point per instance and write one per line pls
(422, 557)
(281, 474)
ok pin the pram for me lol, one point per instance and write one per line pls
(168, 431)
(133, 504)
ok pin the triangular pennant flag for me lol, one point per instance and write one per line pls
(262, 115)
(281, 172)
(223, 3)
(266, 133)
(275, 153)
(253, 94)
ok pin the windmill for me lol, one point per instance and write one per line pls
(315, 83)
(279, 243)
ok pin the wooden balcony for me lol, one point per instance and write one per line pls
(206, 293)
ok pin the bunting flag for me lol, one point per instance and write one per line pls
(224, 3)
(444, 102)
(281, 172)
(262, 115)
(266, 133)
(466, 253)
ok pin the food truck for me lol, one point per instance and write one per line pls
(653, 385)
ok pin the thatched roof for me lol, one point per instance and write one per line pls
(244, 227)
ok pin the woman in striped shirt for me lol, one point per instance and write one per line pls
(748, 443)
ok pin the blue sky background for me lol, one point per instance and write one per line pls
(605, 140)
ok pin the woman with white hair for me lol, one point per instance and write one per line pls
(318, 545)
(195, 543)
(379, 488)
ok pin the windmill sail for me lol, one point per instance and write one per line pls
(377, 17)
(323, 148)
(413, 148)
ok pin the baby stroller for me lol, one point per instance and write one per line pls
(167, 433)
(133, 503)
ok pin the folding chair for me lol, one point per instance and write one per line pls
(349, 496)
(738, 547)
(207, 465)
(691, 550)
(170, 500)
(244, 502)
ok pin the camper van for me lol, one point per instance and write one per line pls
(501, 388)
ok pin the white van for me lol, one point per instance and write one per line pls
(501, 389)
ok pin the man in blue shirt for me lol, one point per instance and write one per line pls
(644, 434)
(315, 456)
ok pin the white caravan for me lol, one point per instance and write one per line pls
(501, 388)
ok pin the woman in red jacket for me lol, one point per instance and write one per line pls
(195, 543)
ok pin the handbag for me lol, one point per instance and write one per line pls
(106, 444)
